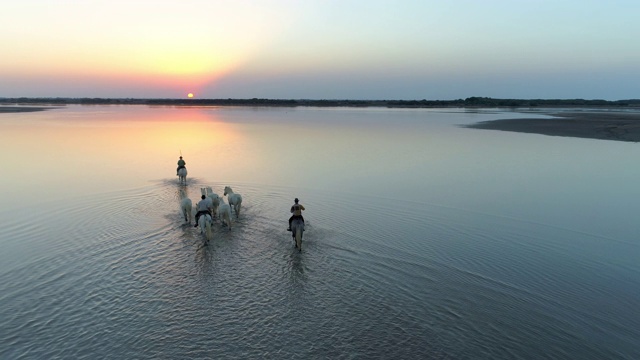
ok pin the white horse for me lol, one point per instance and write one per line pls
(235, 200)
(297, 228)
(215, 199)
(224, 212)
(205, 227)
(186, 206)
(182, 175)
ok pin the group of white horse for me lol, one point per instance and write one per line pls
(216, 205)
(223, 211)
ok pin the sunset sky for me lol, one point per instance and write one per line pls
(312, 49)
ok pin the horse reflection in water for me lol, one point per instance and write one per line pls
(297, 228)
(182, 175)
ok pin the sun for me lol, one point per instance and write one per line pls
(190, 95)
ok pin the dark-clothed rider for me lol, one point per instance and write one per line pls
(296, 209)
(181, 165)
(204, 207)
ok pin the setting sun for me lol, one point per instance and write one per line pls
(190, 95)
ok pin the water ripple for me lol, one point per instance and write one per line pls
(120, 274)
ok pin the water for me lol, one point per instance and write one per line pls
(424, 239)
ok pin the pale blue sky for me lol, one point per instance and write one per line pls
(321, 49)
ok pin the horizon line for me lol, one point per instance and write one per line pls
(472, 99)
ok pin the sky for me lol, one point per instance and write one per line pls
(315, 49)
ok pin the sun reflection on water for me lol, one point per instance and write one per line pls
(95, 142)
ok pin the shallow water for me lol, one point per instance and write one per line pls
(424, 239)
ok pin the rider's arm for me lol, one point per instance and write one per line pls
(301, 207)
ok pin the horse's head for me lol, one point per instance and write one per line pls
(227, 190)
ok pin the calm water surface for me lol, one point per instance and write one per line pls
(424, 239)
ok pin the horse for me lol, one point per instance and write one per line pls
(182, 175)
(186, 206)
(224, 211)
(297, 228)
(235, 200)
(205, 227)
(215, 199)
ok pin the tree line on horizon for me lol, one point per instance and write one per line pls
(474, 101)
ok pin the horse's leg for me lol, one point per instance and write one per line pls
(299, 238)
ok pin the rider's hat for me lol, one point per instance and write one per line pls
(296, 200)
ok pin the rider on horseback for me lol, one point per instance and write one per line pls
(204, 207)
(296, 209)
(181, 165)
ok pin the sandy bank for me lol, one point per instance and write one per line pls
(603, 125)
(12, 109)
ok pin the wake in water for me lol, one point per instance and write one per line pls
(431, 275)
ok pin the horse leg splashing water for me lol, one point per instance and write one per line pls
(235, 200)
(182, 175)
(224, 212)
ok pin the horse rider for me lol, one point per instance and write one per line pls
(204, 207)
(181, 165)
(296, 209)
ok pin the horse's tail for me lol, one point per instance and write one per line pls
(227, 218)
(186, 209)
(298, 237)
(208, 232)
(239, 207)
(184, 214)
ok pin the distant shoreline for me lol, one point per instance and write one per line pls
(472, 102)
(597, 119)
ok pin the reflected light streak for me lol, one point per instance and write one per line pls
(98, 143)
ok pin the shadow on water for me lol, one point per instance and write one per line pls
(204, 255)
(296, 266)
(297, 260)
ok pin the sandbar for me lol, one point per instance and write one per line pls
(13, 109)
(603, 125)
